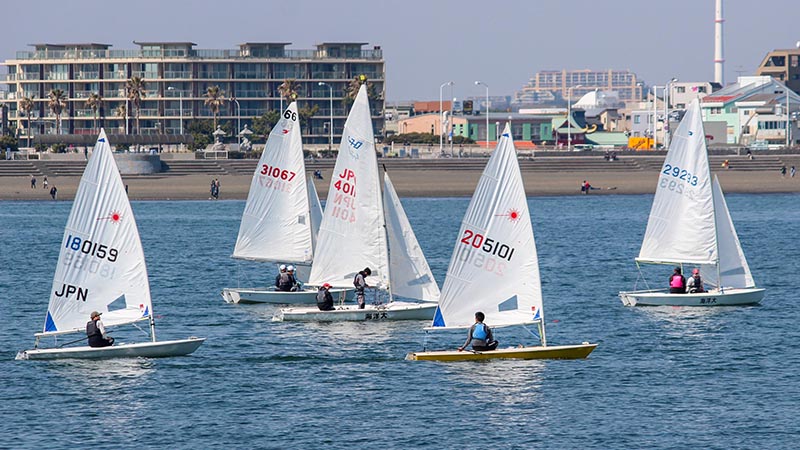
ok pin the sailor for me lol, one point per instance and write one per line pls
(695, 283)
(292, 279)
(281, 271)
(360, 283)
(677, 282)
(324, 298)
(285, 280)
(96, 332)
(480, 335)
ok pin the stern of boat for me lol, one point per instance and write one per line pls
(230, 295)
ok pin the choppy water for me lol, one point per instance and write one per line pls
(661, 377)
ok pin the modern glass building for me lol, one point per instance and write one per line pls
(177, 76)
(549, 87)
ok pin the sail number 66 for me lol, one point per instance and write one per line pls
(487, 245)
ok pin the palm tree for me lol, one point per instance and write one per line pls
(215, 98)
(121, 112)
(355, 84)
(135, 87)
(57, 103)
(95, 102)
(26, 106)
(289, 89)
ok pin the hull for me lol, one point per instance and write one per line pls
(389, 311)
(270, 296)
(731, 297)
(579, 351)
(142, 350)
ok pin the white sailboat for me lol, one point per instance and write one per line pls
(690, 225)
(494, 268)
(278, 223)
(360, 230)
(101, 268)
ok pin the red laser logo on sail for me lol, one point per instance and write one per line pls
(114, 217)
(512, 214)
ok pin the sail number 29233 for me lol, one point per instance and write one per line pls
(680, 174)
(487, 245)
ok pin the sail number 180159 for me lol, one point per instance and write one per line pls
(487, 245)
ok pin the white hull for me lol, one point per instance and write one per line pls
(142, 350)
(731, 297)
(389, 311)
(271, 296)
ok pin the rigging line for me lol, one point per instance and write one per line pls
(137, 327)
(72, 342)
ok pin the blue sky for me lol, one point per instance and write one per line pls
(429, 42)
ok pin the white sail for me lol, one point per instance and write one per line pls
(101, 265)
(733, 268)
(681, 224)
(316, 211)
(494, 268)
(276, 223)
(411, 276)
(353, 235)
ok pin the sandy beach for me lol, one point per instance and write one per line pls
(409, 183)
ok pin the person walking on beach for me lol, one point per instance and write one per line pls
(480, 335)
(792, 171)
(360, 282)
(54, 192)
(783, 171)
(44, 182)
(214, 190)
(33, 182)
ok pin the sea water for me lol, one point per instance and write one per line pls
(660, 377)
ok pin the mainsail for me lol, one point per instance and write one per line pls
(101, 265)
(352, 235)
(681, 226)
(276, 223)
(316, 211)
(494, 268)
(410, 274)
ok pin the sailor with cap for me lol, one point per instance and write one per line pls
(324, 298)
(96, 332)
(695, 283)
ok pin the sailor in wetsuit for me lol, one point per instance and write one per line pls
(324, 298)
(96, 332)
(480, 335)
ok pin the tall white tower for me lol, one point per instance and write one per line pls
(719, 60)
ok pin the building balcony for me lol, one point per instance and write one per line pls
(48, 54)
(213, 75)
(87, 75)
(145, 75)
(174, 93)
(56, 76)
(177, 74)
(118, 75)
(83, 94)
(177, 112)
(251, 94)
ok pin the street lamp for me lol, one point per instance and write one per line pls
(655, 115)
(238, 122)
(180, 105)
(441, 116)
(330, 125)
(480, 83)
(667, 95)
(569, 115)
(788, 121)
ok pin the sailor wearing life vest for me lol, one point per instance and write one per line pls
(695, 283)
(480, 335)
(96, 332)
(677, 282)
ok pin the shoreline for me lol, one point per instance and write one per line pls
(408, 183)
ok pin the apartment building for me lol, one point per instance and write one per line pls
(177, 76)
(549, 87)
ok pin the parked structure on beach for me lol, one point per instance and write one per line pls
(176, 80)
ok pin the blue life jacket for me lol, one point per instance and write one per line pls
(480, 332)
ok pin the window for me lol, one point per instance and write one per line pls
(680, 106)
(716, 110)
(637, 119)
(701, 89)
(680, 89)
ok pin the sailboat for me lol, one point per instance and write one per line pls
(495, 268)
(689, 224)
(360, 230)
(281, 217)
(101, 267)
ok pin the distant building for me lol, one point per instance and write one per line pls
(681, 93)
(784, 66)
(176, 77)
(550, 87)
(753, 110)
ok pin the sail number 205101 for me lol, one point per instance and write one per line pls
(487, 245)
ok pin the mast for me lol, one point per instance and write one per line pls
(386, 241)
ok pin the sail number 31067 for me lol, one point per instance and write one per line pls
(487, 245)
(276, 172)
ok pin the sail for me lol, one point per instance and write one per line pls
(681, 224)
(733, 267)
(101, 265)
(353, 235)
(494, 268)
(410, 275)
(316, 211)
(275, 224)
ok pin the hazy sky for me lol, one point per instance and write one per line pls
(428, 42)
